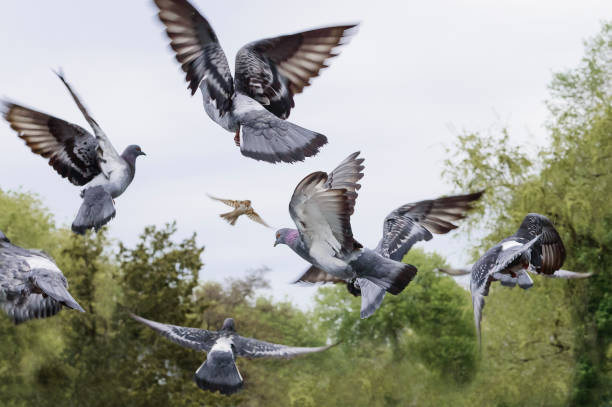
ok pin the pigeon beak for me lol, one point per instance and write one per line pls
(275, 243)
(141, 153)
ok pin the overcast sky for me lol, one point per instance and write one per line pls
(415, 75)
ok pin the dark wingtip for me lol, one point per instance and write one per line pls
(405, 277)
(225, 389)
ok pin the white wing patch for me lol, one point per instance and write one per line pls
(40, 262)
(509, 244)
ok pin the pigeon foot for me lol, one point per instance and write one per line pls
(237, 137)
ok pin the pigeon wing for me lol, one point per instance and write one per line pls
(549, 254)
(70, 149)
(108, 158)
(197, 49)
(453, 272)
(273, 70)
(192, 338)
(253, 348)
(416, 221)
(315, 275)
(33, 306)
(480, 281)
(322, 212)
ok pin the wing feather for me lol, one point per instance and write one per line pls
(549, 254)
(416, 221)
(108, 157)
(70, 149)
(253, 348)
(273, 70)
(197, 49)
(192, 338)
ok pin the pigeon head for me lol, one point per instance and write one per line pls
(228, 325)
(131, 152)
(286, 236)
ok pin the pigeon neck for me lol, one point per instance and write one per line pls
(130, 159)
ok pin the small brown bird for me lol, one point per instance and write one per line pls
(240, 208)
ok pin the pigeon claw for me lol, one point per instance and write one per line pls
(237, 137)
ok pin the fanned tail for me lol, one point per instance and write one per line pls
(96, 210)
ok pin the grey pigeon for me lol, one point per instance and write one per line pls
(405, 226)
(536, 247)
(268, 73)
(321, 208)
(219, 371)
(86, 160)
(31, 284)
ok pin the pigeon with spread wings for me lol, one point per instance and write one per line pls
(86, 160)
(321, 208)
(536, 247)
(404, 227)
(240, 208)
(31, 284)
(268, 73)
(219, 371)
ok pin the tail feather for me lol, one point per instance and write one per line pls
(219, 373)
(371, 297)
(389, 274)
(265, 137)
(96, 210)
(230, 217)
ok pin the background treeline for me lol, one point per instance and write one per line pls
(549, 346)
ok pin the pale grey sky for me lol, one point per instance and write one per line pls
(414, 75)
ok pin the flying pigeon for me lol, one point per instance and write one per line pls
(86, 160)
(31, 284)
(536, 247)
(321, 208)
(268, 73)
(219, 371)
(240, 208)
(405, 226)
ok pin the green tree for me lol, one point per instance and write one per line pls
(570, 181)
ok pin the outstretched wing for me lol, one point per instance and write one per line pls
(192, 338)
(322, 205)
(70, 149)
(108, 158)
(228, 202)
(253, 348)
(480, 281)
(549, 255)
(197, 49)
(315, 275)
(272, 70)
(417, 221)
(453, 272)
(254, 216)
(569, 275)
